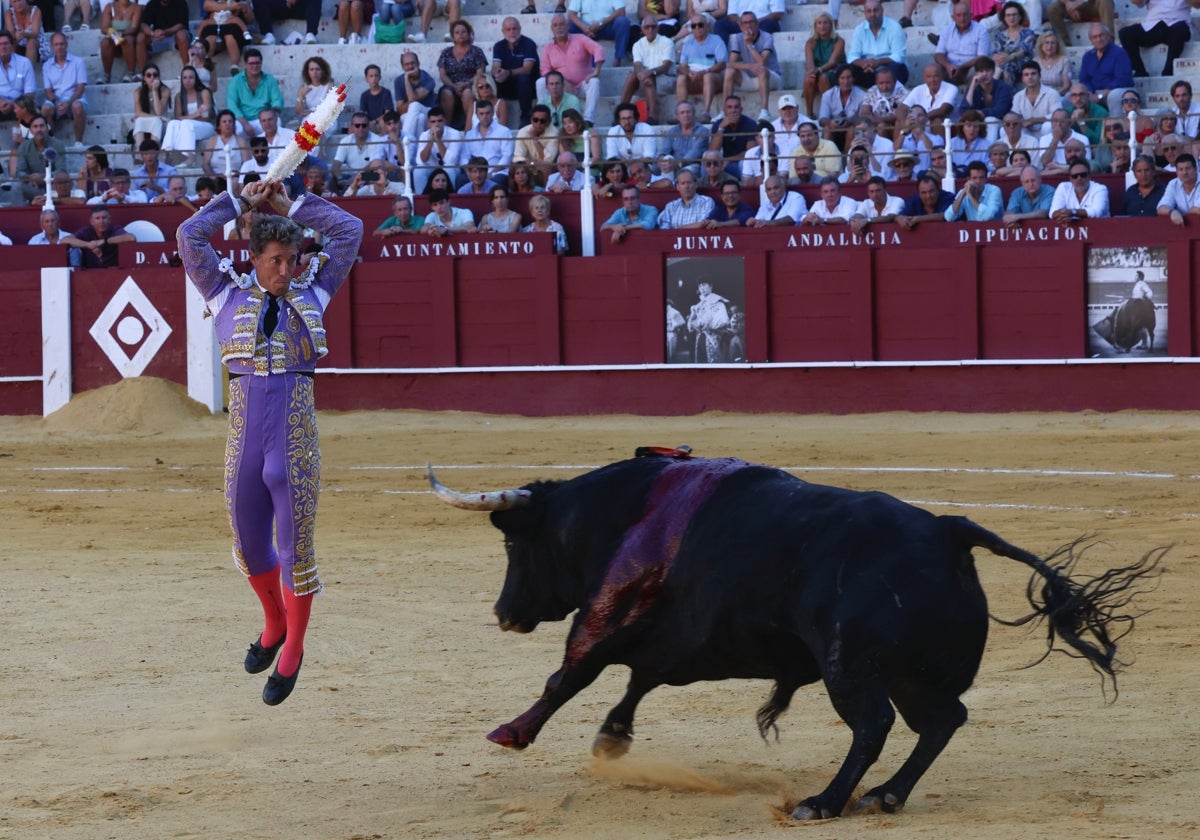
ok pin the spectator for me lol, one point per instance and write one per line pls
(268, 118)
(688, 140)
(858, 165)
(1054, 64)
(266, 12)
(1032, 201)
(459, 65)
(602, 20)
(702, 60)
(804, 170)
(372, 182)
(839, 106)
(225, 151)
(667, 172)
(120, 22)
(502, 219)
(632, 214)
(833, 208)
(578, 60)
(537, 143)
(521, 179)
(977, 201)
(1013, 42)
(1105, 69)
(164, 24)
(539, 209)
(253, 90)
(880, 149)
(827, 160)
(94, 175)
(151, 106)
(199, 59)
(1146, 193)
(315, 78)
(1188, 111)
(491, 141)
(439, 148)
(98, 241)
(935, 96)
(1013, 134)
(478, 182)
(962, 43)
(227, 26)
(1055, 142)
(902, 165)
(1181, 197)
(782, 206)
(752, 53)
(351, 16)
(415, 95)
(712, 171)
(358, 149)
(568, 178)
(991, 97)
(259, 162)
(689, 210)
(376, 100)
(653, 58)
(733, 135)
(402, 222)
(1018, 159)
(877, 42)
(84, 7)
(629, 139)
(938, 163)
(64, 79)
(1079, 198)
(823, 54)
(969, 146)
(31, 158)
(16, 76)
(613, 176)
(730, 211)
(1165, 123)
(786, 124)
(152, 176)
(484, 92)
(193, 117)
(752, 165)
(997, 162)
(439, 179)
(50, 234)
(877, 208)
(1168, 151)
(916, 137)
(1080, 11)
(314, 182)
(394, 148)
(515, 67)
(1037, 102)
(768, 13)
(1120, 153)
(26, 23)
(882, 100)
(63, 192)
(445, 219)
(429, 8)
(1087, 117)
(175, 193)
(639, 174)
(665, 14)
(928, 205)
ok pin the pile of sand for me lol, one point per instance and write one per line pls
(143, 405)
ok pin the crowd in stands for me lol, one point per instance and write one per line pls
(523, 118)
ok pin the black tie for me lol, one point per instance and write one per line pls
(271, 319)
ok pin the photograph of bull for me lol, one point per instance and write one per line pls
(691, 569)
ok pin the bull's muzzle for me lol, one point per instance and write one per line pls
(493, 500)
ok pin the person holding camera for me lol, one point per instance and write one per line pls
(858, 166)
(372, 181)
(360, 148)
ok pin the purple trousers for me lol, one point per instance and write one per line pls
(273, 477)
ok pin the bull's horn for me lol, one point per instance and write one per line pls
(495, 500)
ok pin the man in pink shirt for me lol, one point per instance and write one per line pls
(579, 59)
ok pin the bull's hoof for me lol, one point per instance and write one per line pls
(808, 812)
(611, 745)
(878, 803)
(508, 736)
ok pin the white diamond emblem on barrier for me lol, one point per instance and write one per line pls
(130, 330)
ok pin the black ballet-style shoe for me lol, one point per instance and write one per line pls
(259, 658)
(278, 688)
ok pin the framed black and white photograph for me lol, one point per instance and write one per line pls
(706, 310)
(1126, 302)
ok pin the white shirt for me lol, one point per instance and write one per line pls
(786, 140)
(453, 149)
(652, 54)
(578, 181)
(1060, 153)
(892, 207)
(1169, 12)
(1178, 198)
(1095, 200)
(793, 205)
(644, 145)
(350, 155)
(846, 207)
(1189, 123)
(497, 146)
(947, 94)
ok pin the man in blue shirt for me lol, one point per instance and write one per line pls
(928, 205)
(877, 42)
(977, 201)
(1105, 69)
(515, 67)
(731, 211)
(1031, 201)
(633, 214)
(416, 93)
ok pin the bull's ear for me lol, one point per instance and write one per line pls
(492, 500)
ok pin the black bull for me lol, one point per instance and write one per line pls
(1130, 324)
(687, 570)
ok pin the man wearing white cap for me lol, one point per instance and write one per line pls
(787, 140)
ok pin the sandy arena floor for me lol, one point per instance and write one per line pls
(125, 712)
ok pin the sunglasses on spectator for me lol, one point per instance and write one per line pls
(149, 75)
(698, 25)
(358, 125)
(540, 120)
(1170, 148)
(1130, 101)
(1078, 176)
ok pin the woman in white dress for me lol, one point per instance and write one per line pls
(193, 117)
(225, 151)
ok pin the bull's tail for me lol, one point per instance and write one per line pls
(1088, 615)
